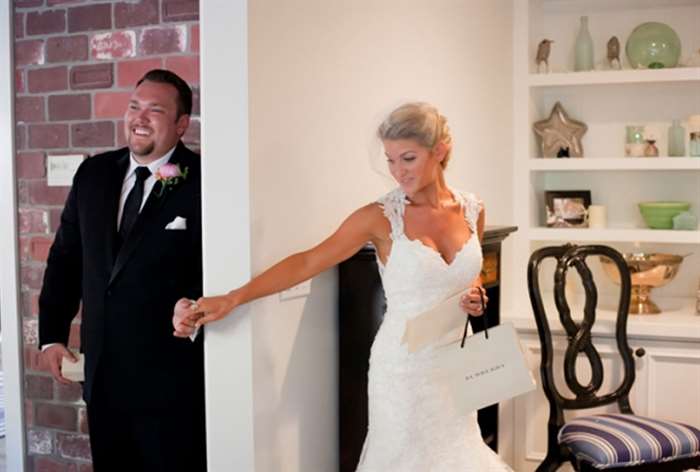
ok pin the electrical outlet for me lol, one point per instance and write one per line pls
(301, 290)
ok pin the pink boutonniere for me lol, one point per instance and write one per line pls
(169, 175)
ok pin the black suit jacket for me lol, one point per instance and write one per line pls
(128, 296)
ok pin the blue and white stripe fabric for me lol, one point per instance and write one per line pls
(614, 440)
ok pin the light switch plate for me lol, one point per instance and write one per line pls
(60, 169)
(301, 290)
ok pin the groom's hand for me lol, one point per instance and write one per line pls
(54, 356)
(185, 315)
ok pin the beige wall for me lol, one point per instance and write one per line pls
(322, 75)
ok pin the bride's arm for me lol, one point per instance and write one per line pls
(362, 226)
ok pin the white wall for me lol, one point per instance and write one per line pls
(322, 74)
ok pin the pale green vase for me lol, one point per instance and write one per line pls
(583, 49)
(654, 46)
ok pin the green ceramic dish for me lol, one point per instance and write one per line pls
(659, 215)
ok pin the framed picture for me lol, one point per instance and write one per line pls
(567, 208)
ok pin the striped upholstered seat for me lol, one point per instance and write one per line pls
(618, 440)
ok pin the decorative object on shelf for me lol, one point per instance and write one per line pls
(583, 49)
(659, 215)
(542, 56)
(685, 221)
(567, 208)
(676, 139)
(614, 53)
(697, 301)
(647, 271)
(653, 45)
(597, 217)
(560, 134)
(650, 149)
(634, 141)
(694, 136)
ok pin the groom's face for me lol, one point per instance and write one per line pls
(151, 123)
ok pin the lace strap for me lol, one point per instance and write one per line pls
(472, 208)
(394, 205)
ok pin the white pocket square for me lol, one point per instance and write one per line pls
(178, 223)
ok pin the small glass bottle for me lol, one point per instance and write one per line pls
(694, 144)
(583, 49)
(676, 139)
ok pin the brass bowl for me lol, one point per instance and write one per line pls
(647, 271)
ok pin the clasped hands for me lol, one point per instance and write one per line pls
(189, 315)
(471, 302)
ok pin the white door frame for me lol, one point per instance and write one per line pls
(10, 316)
(226, 230)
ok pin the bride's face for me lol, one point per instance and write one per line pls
(412, 165)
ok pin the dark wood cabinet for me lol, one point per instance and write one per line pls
(361, 311)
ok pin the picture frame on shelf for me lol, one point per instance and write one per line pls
(567, 208)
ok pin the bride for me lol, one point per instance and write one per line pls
(427, 239)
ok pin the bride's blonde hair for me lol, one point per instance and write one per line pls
(421, 122)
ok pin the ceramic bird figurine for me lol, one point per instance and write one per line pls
(543, 54)
(614, 53)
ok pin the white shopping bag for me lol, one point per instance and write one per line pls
(486, 370)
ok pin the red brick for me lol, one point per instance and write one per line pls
(29, 412)
(56, 416)
(92, 134)
(30, 332)
(111, 104)
(31, 165)
(186, 67)
(90, 18)
(33, 360)
(54, 219)
(121, 138)
(163, 40)
(46, 22)
(85, 468)
(83, 421)
(23, 248)
(29, 52)
(130, 72)
(63, 2)
(47, 464)
(29, 109)
(32, 220)
(31, 277)
(39, 248)
(91, 76)
(74, 336)
(70, 393)
(73, 446)
(42, 194)
(20, 137)
(67, 48)
(50, 79)
(113, 45)
(19, 25)
(195, 100)
(192, 135)
(29, 304)
(128, 14)
(38, 387)
(194, 38)
(39, 441)
(19, 81)
(180, 10)
(69, 107)
(28, 3)
(48, 136)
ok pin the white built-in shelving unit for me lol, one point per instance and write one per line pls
(606, 100)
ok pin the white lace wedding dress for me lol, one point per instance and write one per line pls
(413, 426)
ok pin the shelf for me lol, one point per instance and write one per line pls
(678, 321)
(607, 77)
(615, 163)
(615, 235)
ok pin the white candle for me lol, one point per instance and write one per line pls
(597, 216)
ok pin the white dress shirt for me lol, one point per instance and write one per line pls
(129, 180)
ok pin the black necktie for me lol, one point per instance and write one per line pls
(132, 206)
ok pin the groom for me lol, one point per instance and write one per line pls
(128, 247)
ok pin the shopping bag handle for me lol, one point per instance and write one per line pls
(486, 320)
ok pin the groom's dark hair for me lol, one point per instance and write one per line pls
(184, 93)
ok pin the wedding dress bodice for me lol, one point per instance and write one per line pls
(413, 426)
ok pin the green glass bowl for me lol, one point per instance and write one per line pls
(654, 46)
(659, 215)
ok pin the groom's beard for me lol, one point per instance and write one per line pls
(141, 150)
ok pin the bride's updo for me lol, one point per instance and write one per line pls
(421, 122)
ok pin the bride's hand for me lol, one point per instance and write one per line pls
(189, 315)
(471, 301)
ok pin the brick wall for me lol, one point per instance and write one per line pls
(76, 63)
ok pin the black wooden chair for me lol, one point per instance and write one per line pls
(610, 442)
